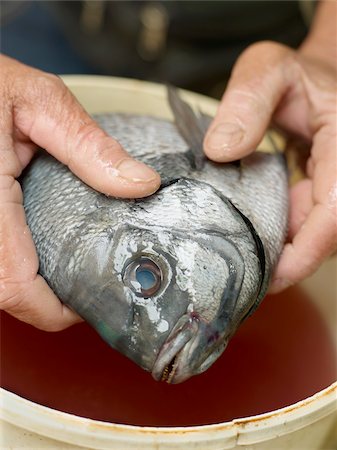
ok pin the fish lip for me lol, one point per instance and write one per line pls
(182, 335)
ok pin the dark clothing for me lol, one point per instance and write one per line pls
(187, 43)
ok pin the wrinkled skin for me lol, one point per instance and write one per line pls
(37, 110)
(297, 91)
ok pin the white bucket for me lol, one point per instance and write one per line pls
(308, 424)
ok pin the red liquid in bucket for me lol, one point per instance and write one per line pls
(281, 355)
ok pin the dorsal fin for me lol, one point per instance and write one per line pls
(190, 126)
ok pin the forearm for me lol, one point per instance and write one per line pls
(321, 40)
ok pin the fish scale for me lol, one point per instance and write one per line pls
(209, 239)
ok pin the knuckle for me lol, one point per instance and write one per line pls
(15, 301)
(248, 100)
(43, 91)
(10, 190)
(54, 96)
(9, 163)
(87, 138)
(264, 48)
(259, 78)
(263, 60)
(49, 84)
(12, 296)
(90, 132)
(91, 140)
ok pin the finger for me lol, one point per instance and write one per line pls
(256, 86)
(35, 303)
(316, 239)
(24, 148)
(301, 203)
(47, 112)
(310, 247)
(23, 294)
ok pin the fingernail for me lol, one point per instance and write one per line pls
(224, 136)
(278, 285)
(135, 171)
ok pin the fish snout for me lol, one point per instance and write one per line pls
(190, 349)
(182, 335)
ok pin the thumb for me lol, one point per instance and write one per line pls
(255, 88)
(48, 113)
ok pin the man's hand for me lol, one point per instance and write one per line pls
(296, 90)
(37, 110)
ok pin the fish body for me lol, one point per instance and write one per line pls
(165, 280)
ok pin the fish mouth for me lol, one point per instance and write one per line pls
(174, 351)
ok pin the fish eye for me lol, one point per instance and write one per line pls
(143, 276)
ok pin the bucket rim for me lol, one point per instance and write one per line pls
(58, 425)
(78, 430)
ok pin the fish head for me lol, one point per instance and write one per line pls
(175, 294)
(210, 270)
